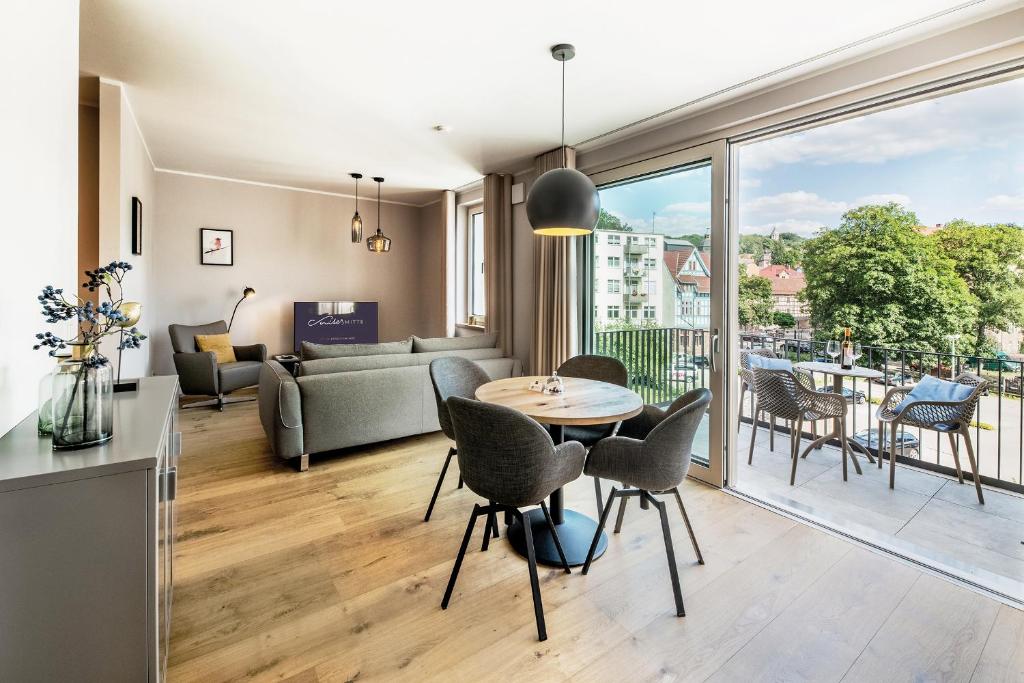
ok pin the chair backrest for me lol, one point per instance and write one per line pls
(600, 368)
(777, 393)
(504, 455)
(183, 337)
(970, 403)
(667, 449)
(746, 374)
(454, 376)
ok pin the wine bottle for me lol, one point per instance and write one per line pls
(846, 362)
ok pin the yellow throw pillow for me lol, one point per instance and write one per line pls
(220, 344)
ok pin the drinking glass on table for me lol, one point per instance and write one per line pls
(858, 351)
(832, 349)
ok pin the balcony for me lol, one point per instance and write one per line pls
(635, 297)
(632, 247)
(634, 272)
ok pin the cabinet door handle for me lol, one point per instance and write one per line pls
(175, 443)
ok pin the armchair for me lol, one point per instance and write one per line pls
(198, 371)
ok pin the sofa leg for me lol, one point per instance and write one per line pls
(302, 462)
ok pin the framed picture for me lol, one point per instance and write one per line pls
(216, 247)
(136, 225)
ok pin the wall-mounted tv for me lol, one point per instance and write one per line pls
(335, 322)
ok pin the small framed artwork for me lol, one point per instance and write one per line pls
(216, 247)
(136, 225)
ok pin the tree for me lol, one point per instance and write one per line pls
(784, 320)
(786, 249)
(608, 221)
(693, 238)
(990, 259)
(755, 300)
(876, 274)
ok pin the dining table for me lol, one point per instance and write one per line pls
(839, 375)
(582, 402)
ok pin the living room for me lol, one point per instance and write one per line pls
(322, 283)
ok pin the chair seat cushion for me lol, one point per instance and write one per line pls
(588, 435)
(935, 389)
(244, 373)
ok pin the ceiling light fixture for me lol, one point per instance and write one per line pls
(378, 243)
(563, 201)
(357, 221)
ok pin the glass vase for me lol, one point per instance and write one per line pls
(44, 423)
(83, 405)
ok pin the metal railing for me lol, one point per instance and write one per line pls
(665, 362)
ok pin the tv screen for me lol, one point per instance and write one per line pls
(335, 322)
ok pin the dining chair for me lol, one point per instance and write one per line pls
(922, 406)
(452, 376)
(748, 358)
(601, 369)
(655, 464)
(783, 393)
(510, 460)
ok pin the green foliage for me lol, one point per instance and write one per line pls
(783, 319)
(895, 287)
(786, 248)
(990, 259)
(756, 306)
(693, 238)
(607, 221)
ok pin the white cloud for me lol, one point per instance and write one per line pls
(1006, 202)
(689, 207)
(749, 183)
(788, 204)
(901, 199)
(805, 228)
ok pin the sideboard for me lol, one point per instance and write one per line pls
(86, 546)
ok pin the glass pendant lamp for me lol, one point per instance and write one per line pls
(357, 220)
(378, 243)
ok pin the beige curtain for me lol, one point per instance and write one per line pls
(498, 257)
(554, 276)
(447, 229)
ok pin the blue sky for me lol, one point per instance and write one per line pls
(958, 156)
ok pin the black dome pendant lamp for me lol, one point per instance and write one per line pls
(563, 202)
(378, 243)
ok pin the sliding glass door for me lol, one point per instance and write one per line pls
(660, 285)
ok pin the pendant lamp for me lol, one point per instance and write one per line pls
(563, 201)
(357, 220)
(378, 243)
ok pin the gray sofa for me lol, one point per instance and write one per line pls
(339, 400)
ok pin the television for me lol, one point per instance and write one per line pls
(335, 322)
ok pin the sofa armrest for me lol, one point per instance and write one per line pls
(256, 352)
(281, 410)
(197, 372)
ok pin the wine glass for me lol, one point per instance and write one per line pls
(858, 351)
(832, 349)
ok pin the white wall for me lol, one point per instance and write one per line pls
(39, 177)
(290, 246)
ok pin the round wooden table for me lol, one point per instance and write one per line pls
(838, 374)
(585, 402)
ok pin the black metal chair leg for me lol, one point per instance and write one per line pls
(492, 520)
(459, 558)
(531, 560)
(554, 536)
(600, 528)
(672, 570)
(689, 528)
(622, 513)
(597, 494)
(437, 488)
(460, 481)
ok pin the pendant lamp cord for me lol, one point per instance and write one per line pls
(357, 195)
(378, 208)
(565, 161)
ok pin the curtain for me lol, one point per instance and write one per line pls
(554, 276)
(447, 229)
(498, 257)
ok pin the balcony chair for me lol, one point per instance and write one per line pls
(915, 407)
(747, 384)
(656, 464)
(452, 376)
(509, 459)
(199, 373)
(792, 397)
(602, 369)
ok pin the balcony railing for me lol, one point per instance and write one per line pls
(666, 362)
(635, 297)
(635, 248)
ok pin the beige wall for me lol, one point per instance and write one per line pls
(431, 270)
(39, 177)
(88, 193)
(290, 246)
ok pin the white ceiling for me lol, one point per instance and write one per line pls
(301, 93)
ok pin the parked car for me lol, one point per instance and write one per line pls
(798, 346)
(907, 442)
(1000, 362)
(848, 394)
(896, 379)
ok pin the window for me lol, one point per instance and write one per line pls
(614, 286)
(652, 287)
(614, 239)
(632, 312)
(613, 312)
(649, 263)
(651, 241)
(686, 307)
(650, 313)
(469, 273)
(613, 262)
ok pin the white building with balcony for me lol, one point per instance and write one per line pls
(630, 279)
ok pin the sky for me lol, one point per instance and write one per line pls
(957, 156)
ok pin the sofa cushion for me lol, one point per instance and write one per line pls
(475, 341)
(311, 351)
(329, 365)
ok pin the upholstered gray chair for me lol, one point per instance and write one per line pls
(656, 464)
(452, 376)
(602, 369)
(952, 418)
(510, 460)
(198, 371)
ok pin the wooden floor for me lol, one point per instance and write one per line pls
(331, 575)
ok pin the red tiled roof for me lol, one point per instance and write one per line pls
(703, 284)
(675, 260)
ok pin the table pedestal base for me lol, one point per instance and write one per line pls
(575, 534)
